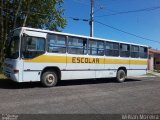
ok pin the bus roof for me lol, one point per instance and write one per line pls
(74, 35)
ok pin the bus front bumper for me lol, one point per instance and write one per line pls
(11, 75)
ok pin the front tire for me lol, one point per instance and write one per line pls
(49, 79)
(121, 76)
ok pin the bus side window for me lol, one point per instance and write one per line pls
(96, 47)
(77, 45)
(56, 43)
(100, 48)
(143, 52)
(32, 46)
(124, 50)
(111, 49)
(134, 51)
(92, 47)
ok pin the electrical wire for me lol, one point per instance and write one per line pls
(81, 2)
(31, 12)
(127, 32)
(86, 20)
(132, 11)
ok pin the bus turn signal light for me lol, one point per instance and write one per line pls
(15, 71)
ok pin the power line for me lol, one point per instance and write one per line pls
(127, 32)
(104, 6)
(77, 19)
(81, 2)
(86, 20)
(88, 4)
(132, 11)
(31, 12)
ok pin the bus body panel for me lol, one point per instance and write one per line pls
(12, 69)
(72, 66)
(85, 70)
(137, 67)
(34, 67)
(34, 33)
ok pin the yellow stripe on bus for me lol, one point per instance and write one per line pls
(48, 59)
(138, 62)
(86, 60)
(116, 61)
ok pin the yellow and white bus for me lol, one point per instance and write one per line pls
(48, 56)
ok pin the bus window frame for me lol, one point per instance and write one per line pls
(134, 51)
(128, 50)
(146, 57)
(96, 48)
(76, 46)
(112, 49)
(22, 43)
(47, 43)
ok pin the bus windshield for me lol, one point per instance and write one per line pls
(13, 48)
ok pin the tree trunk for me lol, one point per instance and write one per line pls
(6, 30)
(2, 31)
(16, 15)
(28, 10)
(1, 17)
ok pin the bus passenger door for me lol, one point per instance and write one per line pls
(99, 67)
(96, 58)
(77, 59)
(32, 53)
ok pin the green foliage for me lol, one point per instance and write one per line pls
(2, 77)
(46, 14)
(42, 14)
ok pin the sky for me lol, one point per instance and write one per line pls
(145, 24)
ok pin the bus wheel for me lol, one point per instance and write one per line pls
(121, 75)
(49, 79)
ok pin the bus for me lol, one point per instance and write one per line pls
(48, 57)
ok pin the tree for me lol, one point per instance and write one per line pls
(46, 14)
(1, 30)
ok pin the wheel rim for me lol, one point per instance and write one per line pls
(50, 78)
(122, 76)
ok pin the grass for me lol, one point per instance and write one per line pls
(157, 71)
(150, 74)
(2, 77)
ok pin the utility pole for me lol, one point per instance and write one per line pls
(91, 22)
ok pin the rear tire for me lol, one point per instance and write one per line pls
(121, 76)
(49, 79)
